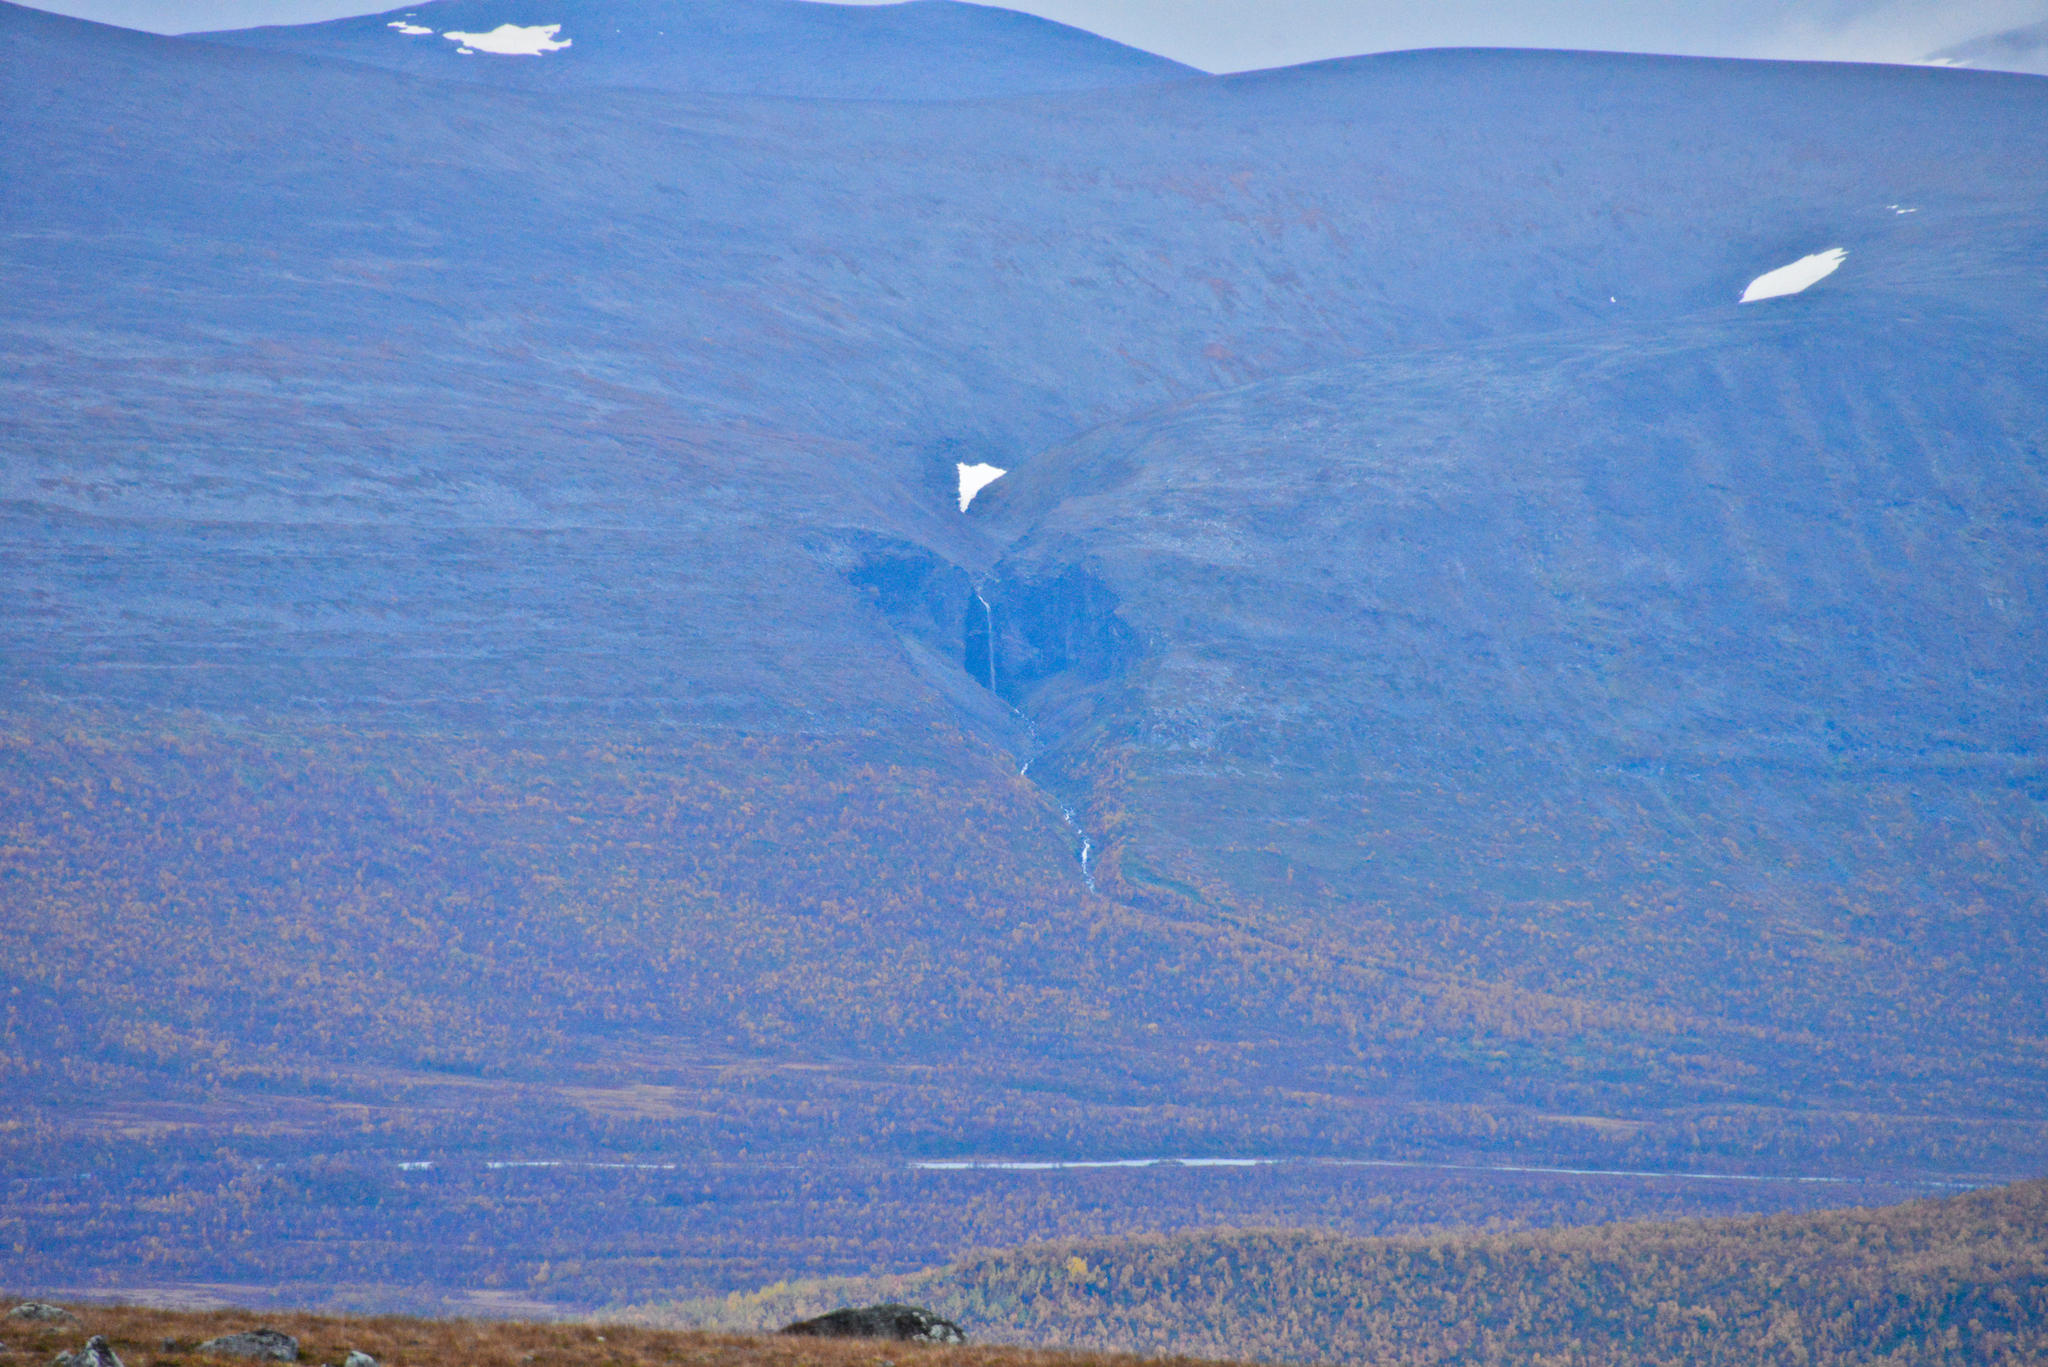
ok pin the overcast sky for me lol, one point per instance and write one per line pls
(1235, 35)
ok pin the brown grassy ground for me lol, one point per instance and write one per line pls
(146, 1337)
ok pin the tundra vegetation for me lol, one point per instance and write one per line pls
(1955, 1280)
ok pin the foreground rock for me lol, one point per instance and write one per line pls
(264, 1345)
(96, 1353)
(35, 1312)
(358, 1358)
(902, 1323)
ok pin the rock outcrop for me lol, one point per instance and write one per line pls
(263, 1345)
(902, 1323)
(96, 1353)
(358, 1358)
(35, 1312)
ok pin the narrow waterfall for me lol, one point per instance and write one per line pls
(988, 616)
(1087, 849)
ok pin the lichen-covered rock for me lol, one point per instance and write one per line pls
(35, 1312)
(903, 1323)
(264, 1345)
(358, 1358)
(96, 1353)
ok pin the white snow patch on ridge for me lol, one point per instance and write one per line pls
(975, 478)
(1795, 277)
(410, 30)
(510, 40)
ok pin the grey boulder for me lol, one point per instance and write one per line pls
(263, 1345)
(358, 1358)
(37, 1313)
(902, 1323)
(96, 1353)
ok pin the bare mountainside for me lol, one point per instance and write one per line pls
(498, 673)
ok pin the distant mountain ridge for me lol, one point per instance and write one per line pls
(2018, 49)
(921, 50)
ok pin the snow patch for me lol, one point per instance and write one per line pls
(511, 40)
(975, 478)
(1795, 277)
(410, 30)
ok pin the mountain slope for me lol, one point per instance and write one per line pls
(489, 603)
(820, 307)
(1731, 622)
